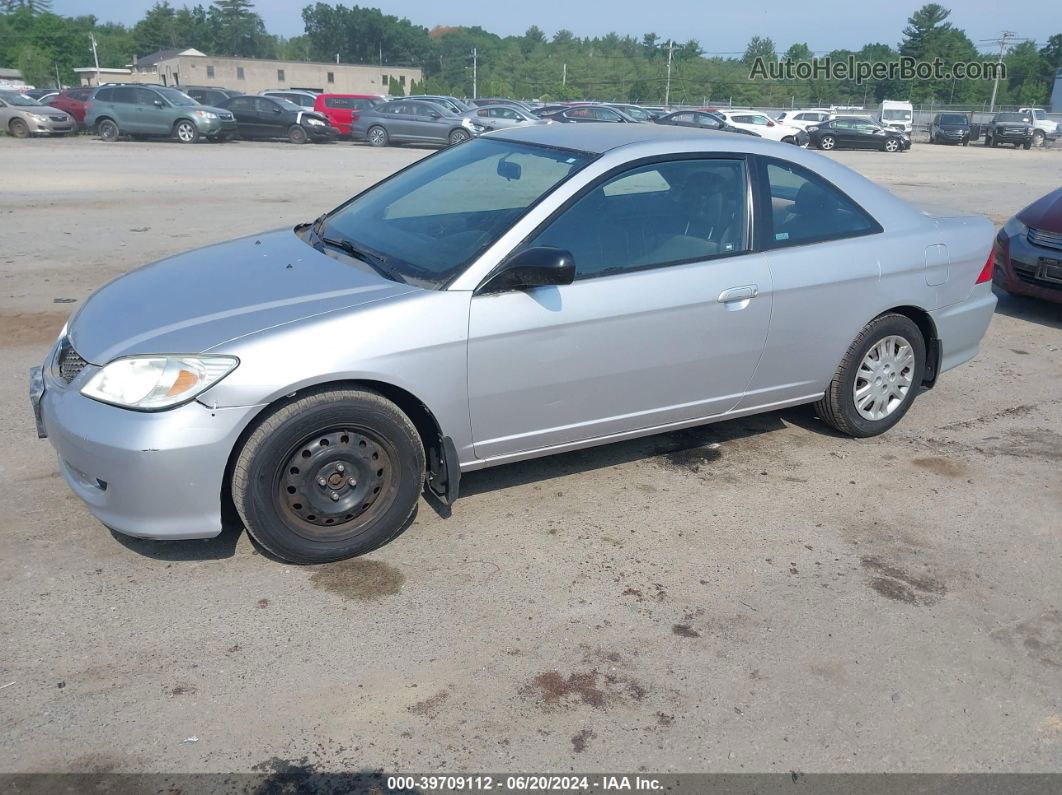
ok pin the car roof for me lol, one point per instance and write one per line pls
(600, 138)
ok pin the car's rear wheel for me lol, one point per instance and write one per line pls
(1027, 145)
(892, 145)
(331, 475)
(877, 379)
(377, 136)
(186, 131)
(18, 128)
(297, 135)
(107, 131)
(827, 142)
(457, 136)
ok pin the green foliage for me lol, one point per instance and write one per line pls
(394, 88)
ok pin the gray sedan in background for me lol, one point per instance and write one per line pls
(23, 116)
(500, 117)
(529, 292)
(410, 121)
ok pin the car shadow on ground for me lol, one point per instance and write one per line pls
(1034, 310)
(218, 548)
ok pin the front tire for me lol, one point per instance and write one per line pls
(297, 135)
(19, 128)
(892, 145)
(877, 379)
(186, 131)
(1027, 145)
(334, 474)
(458, 136)
(1038, 138)
(827, 142)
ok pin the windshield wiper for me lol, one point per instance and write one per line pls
(373, 260)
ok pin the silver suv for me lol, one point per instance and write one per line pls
(116, 110)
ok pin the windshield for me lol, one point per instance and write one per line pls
(14, 98)
(896, 115)
(953, 118)
(1010, 117)
(175, 97)
(287, 104)
(429, 222)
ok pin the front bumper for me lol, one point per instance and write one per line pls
(52, 127)
(953, 136)
(146, 474)
(214, 127)
(1018, 269)
(325, 133)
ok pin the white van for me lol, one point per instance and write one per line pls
(897, 115)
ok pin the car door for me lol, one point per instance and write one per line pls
(824, 284)
(867, 135)
(242, 108)
(503, 118)
(127, 109)
(155, 113)
(707, 121)
(844, 133)
(664, 323)
(431, 123)
(400, 120)
(271, 120)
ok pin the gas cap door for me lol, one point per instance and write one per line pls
(937, 264)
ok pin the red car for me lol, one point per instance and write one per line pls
(1028, 250)
(343, 110)
(74, 101)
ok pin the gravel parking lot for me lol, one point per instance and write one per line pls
(758, 595)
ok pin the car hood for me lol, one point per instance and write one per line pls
(1044, 213)
(212, 295)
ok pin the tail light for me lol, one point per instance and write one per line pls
(986, 271)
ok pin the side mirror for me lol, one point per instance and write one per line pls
(509, 170)
(533, 267)
(276, 109)
(159, 103)
(435, 115)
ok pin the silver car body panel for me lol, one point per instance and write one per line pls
(506, 376)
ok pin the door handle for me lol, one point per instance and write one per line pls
(738, 294)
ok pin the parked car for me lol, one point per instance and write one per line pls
(305, 99)
(702, 120)
(23, 116)
(452, 104)
(636, 112)
(1043, 128)
(342, 110)
(482, 102)
(582, 114)
(500, 117)
(533, 291)
(762, 124)
(546, 110)
(803, 118)
(274, 117)
(143, 111)
(210, 95)
(39, 93)
(950, 128)
(896, 115)
(74, 101)
(1028, 250)
(856, 132)
(1009, 128)
(411, 121)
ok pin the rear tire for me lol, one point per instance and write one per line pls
(1038, 138)
(107, 131)
(297, 135)
(19, 128)
(367, 452)
(377, 136)
(1027, 145)
(885, 363)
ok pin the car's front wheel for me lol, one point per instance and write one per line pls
(186, 132)
(877, 379)
(458, 136)
(334, 474)
(827, 142)
(297, 135)
(19, 128)
(1038, 138)
(892, 145)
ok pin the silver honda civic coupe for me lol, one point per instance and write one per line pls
(525, 293)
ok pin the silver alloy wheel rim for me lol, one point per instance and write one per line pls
(185, 132)
(107, 131)
(884, 378)
(891, 146)
(376, 136)
(457, 136)
(827, 142)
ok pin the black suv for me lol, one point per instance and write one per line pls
(271, 117)
(1009, 128)
(950, 128)
(210, 95)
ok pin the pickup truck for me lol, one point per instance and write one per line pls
(1009, 128)
(1043, 128)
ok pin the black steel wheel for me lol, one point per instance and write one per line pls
(334, 474)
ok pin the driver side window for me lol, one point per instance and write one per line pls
(654, 215)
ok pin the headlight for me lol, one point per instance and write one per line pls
(206, 114)
(39, 116)
(1014, 227)
(315, 122)
(148, 383)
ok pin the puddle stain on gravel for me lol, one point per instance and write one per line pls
(895, 583)
(580, 740)
(945, 467)
(1040, 637)
(31, 328)
(693, 458)
(359, 579)
(589, 688)
(685, 631)
(429, 707)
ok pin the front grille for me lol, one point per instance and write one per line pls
(1041, 237)
(68, 364)
(1028, 275)
(225, 116)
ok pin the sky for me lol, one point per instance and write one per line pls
(722, 28)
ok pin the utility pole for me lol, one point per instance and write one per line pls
(96, 57)
(667, 89)
(475, 71)
(564, 75)
(1004, 40)
(58, 85)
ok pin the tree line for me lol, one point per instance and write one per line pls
(532, 65)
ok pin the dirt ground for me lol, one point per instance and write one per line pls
(758, 595)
